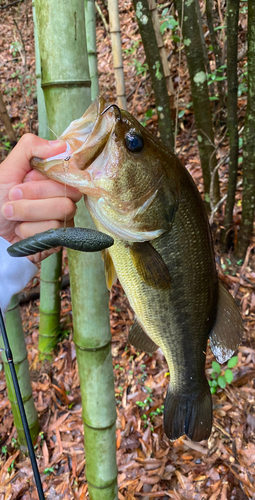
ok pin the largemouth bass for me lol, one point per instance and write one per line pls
(139, 193)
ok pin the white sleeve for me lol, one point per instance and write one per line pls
(15, 273)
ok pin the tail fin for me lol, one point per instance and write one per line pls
(188, 414)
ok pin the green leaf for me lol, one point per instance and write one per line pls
(164, 12)
(214, 383)
(176, 38)
(213, 390)
(232, 362)
(214, 375)
(216, 367)
(229, 376)
(222, 382)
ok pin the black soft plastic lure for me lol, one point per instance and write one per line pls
(77, 238)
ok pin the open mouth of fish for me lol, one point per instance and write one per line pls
(93, 163)
(86, 140)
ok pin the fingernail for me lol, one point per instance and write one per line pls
(8, 210)
(56, 143)
(17, 231)
(15, 194)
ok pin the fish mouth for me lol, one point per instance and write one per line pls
(86, 139)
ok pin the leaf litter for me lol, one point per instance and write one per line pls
(149, 465)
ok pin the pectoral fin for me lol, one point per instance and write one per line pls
(150, 265)
(227, 331)
(110, 272)
(139, 339)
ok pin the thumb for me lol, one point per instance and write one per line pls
(17, 164)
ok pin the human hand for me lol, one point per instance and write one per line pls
(29, 202)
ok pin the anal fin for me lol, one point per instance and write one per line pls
(227, 331)
(139, 339)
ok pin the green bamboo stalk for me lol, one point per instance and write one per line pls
(65, 80)
(90, 24)
(50, 289)
(51, 268)
(92, 339)
(18, 347)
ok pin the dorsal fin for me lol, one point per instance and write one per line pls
(227, 331)
(139, 339)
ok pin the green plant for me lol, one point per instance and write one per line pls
(169, 23)
(148, 114)
(48, 470)
(15, 443)
(15, 48)
(4, 450)
(243, 85)
(6, 145)
(183, 111)
(221, 379)
(217, 75)
(141, 68)
(10, 469)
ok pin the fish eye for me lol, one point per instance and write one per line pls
(134, 142)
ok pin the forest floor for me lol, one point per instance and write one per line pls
(149, 465)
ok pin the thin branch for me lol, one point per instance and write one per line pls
(10, 4)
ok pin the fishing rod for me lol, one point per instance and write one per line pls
(9, 358)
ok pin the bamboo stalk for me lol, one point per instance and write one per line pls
(160, 42)
(90, 24)
(51, 268)
(117, 52)
(92, 339)
(18, 347)
(49, 326)
(67, 94)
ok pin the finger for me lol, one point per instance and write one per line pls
(34, 175)
(27, 229)
(38, 257)
(33, 210)
(28, 146)
(42, 190)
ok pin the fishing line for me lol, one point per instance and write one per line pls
(65, 168)
(9, 358)
(41, 123)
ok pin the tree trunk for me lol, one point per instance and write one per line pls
(246, 228)
(66, 85)
(232, 121)
(19, 351)
(156, 72)
(113, 10)
(200, 96)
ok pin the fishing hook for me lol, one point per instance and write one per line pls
(113, 106)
